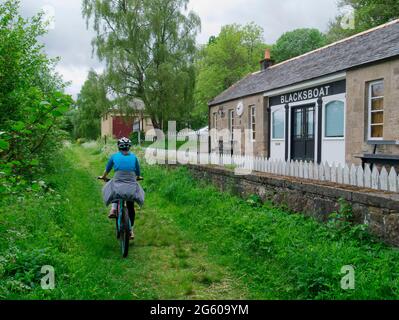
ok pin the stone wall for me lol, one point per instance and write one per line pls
(380, 210)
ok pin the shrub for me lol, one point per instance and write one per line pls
(135, 138)
(31, 99)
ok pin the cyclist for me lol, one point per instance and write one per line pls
(124, 185)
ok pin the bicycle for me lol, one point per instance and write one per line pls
(123, 223)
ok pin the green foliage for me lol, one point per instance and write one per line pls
(68, 229)
(148, 47)
(92, 104)
(194, 241)
(342, 223)
(254, 201)
(134, 137)
(234, 53)
(368, 14)
(279, 255)
(296, 43)
(32, 101)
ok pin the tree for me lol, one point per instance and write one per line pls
(149, 48)
(234, 53)
(295, 43)
(32, 102)
(92, 104)
(367, 14)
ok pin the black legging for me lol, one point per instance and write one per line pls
(132, 212)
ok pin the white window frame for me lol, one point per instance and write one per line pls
(252, 122)
(280, 109)
(326, 101)
(370, 112)
(231, 123)
(215, 120)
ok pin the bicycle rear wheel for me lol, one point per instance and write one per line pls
(124, 236)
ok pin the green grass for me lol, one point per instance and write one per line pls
(69, 230)
(279, 255)
(193, 242)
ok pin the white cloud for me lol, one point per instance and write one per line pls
(275, 16)
(77, 75)
(68, 39)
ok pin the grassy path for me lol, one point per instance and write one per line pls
(193, 242)
(163, 262)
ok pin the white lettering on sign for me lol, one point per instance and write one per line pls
(305, 95)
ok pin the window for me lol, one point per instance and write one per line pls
(231, 124)
(252, 122)
(376, 110)
(334, 119)
(215, 120)
(278, 124)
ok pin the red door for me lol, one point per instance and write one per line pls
(122, 127)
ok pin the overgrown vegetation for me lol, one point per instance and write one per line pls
(192, 242)
(280, 255)
(32, 101)
(65, 225)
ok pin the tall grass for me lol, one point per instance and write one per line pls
(281, 255)
(193, 241)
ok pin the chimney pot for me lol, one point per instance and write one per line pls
(267, 61)
(267, 54)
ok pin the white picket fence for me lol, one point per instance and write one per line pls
(345, 175)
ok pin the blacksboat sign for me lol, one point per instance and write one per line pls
(310, 93)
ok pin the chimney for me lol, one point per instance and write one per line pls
(267, 61)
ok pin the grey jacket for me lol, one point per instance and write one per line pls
(123, 186)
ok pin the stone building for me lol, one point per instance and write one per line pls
(339, 104)
(117, 125)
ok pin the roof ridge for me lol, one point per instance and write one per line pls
(337, 42)
(233, 85)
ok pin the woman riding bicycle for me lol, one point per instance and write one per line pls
(124, 185)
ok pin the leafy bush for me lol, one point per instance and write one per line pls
(32, 101)
(135, 138)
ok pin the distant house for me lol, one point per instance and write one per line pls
(117, 125)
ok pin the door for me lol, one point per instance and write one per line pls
(303, 133)
(122, 127)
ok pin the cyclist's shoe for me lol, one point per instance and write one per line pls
(112, 214)
(132, 235)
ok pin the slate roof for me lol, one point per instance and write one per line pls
(373, 45)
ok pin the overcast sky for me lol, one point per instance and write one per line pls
(71, 41)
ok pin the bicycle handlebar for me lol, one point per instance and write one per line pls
(104, 179)
(107, 179)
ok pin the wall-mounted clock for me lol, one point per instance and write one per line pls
(240, 109)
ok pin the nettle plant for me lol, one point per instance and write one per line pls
(32, 101)
(342, 223)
